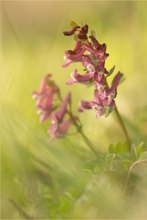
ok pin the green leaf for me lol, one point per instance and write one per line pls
(111, 148)
(73, 24)
(139, 149)
(134, 152)
(75, 37)
(94, 165)
(143, 155)
(111, 70)
(65, 205)
(122, 148)
(107, 111)
(126, 163)
(93, 33)
(122, 79)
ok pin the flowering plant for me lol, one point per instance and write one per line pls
(118, 162)
(92, 55)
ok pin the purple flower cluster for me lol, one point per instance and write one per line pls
(47, 104)
(92, 55)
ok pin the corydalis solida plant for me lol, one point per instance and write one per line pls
(92, 55)
(48, 106)
(51, 106)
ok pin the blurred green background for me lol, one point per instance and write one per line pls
(32, 45)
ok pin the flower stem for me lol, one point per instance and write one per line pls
(78, 125)
(123, 127)
(88, 142)
(80, 130)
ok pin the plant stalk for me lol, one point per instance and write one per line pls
(88, 142)
(80, 130)
(120, 120)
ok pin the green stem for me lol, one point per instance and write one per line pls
(80, 130)
(88, 142)
(123, 127)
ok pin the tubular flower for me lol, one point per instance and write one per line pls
(71, 31)
(74, 55)
(45, 97)
(59, 126)
(48, 108)
(92, 55)
(75, 77)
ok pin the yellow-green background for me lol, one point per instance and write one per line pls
(32, 44)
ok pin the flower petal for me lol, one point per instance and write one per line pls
(64, 126)
(71, 31)
(44, 98)
(83, 33)
(63, 109)
(79, 78)
(115, 82)
(95, 42)
(59, 130)
(74, 55)
(44, 117)
(84, 105)
(67, 63)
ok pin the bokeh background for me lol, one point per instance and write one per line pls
(32, 45)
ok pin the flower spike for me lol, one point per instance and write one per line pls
(93, 55)
(48, 109)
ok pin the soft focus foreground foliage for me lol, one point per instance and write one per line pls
(63, 179)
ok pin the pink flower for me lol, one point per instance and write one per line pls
(97, 45)
(44, 98)
(59, 126)
(88, 63)
(82, 32)
(74, 55)
(103, 102)
(71, 31)
(59, 130)
(63, 108)
(99, 109)
(75, 77)
(93, 55)
(115, 83)
(59, 115)
(100, 54)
